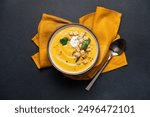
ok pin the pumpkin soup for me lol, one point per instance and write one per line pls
(73, 49)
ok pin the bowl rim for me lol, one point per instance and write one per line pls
(73, 73)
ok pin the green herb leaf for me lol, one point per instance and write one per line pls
(85, 44)
(64, 40)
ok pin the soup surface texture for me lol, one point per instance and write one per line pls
(73, 49)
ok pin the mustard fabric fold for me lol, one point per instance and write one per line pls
(105, 25)
(47, 26)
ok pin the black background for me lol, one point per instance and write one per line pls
(19, 77)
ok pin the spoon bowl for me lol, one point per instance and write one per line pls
(118, 46)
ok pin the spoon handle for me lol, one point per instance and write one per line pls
(99, 72)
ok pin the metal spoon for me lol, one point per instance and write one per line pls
(116, 48)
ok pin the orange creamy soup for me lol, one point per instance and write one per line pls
(73, 49)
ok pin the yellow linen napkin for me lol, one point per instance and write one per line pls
(104, 23)
(47, 26)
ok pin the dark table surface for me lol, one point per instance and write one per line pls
(19, 78)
